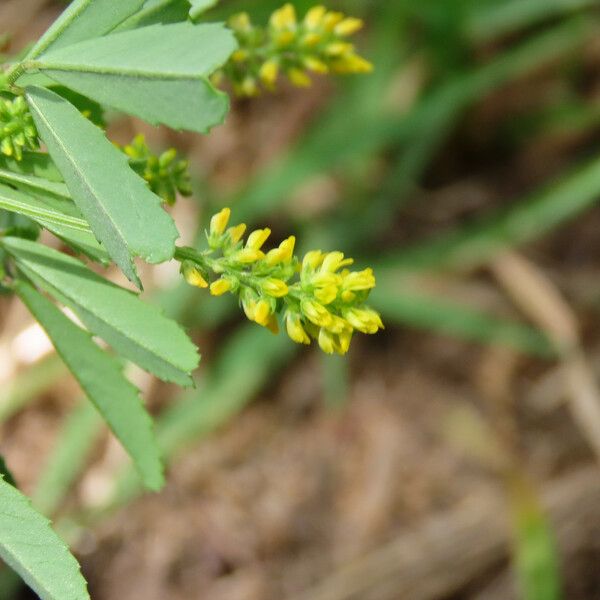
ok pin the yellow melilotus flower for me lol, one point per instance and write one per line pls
(220, 287)
(257, 238)
(317, 44)
(219, 221)
(318, 298)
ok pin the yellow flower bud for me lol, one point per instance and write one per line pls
(284, 18)
(257, 238)
(296, 332)
(220, 287)
(316, 313)
(327, 341)
(351, 63)
(338, 48)
(262, 312)
(298, 77)
(269, 71)
(314, 17)
(240, 55)
(248, 255)
(334, 261)
(284, 38)
(283, 254)
(310, 40)
(312, 259)
(348, 26)
(249, 306)
(316, 65)
(331, 19)
(364, 319)
(219, 221)
(248, 87)
(326, 295)
(236, 233)
(359, 280)
(240, 22)
(344, 340)
(193, 276)
(273, 325)
(275, 287)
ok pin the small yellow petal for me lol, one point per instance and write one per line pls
(275, 287)
(295, 331)
(236, 233)
(298, 77)
(348, 26)
(193, 276)
(268, 72)
(257, 238)
(314, 17)
(220, 287)
(262, 312)
(284, 18)
(219, 221)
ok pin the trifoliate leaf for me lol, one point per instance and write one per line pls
(100, 376)
(123, 213)
(85, 19)
(158, 73)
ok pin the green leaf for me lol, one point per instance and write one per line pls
(100, 376)
(135, 329)
(33, 163)
(199, 7)
(85, 19)
(123, 213)
(158, 73)
(157, 11)
(34, 184)
(30, 547)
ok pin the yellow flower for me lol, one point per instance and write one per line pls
(314, 17)
(293, 325)
(248, 87)
(364, 319)
(344, 340)
(275, 287)
(358, 280)
(316, 313)
(284, 18)
(219, 221)
(348, 26)
(257, 238)
(312, 259)
(334, 261)
(273, 325)
(298, 77)
(241, 23)
(240, 55)
(316, 65)
(193, 276)
(269, 71)
(338, 48)
(351, 63)
(262, 312)
(220, 287)
(331, 19)
(248, 256)
(327, 341)
(283, 254)
(236, 233)
(337, 324)
(310, 40)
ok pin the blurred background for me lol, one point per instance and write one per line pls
(452, 456)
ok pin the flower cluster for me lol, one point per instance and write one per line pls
(317, 298)
(317, 44)
(165, 174)
(17, 129)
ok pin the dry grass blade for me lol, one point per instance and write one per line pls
(543, 303)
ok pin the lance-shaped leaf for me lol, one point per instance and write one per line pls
(158, 73)
(57, 216)
(85, 19)
(123, 213)
(199, 7)
(30, 547)
(101, 378)
(135, 329)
